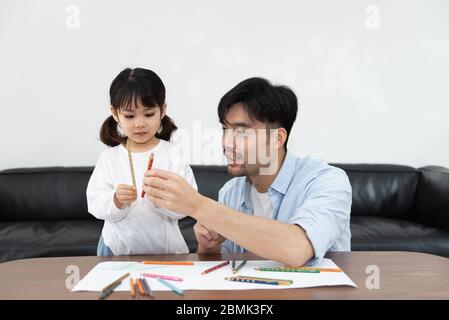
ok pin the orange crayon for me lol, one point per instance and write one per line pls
(141, 289)
(133, 287)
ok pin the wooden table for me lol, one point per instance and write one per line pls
(403, 275)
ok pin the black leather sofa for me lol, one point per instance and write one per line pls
(43, 211)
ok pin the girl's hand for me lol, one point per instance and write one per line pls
(125, 194)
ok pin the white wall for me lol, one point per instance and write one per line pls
(372, 76)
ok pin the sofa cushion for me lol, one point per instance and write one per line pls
(43, 211)
(382, 190)
(44, 194)
(383, 234)
(432, 199)
(28, 239)
(210, 179)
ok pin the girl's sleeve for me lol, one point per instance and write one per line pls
(184, 170)
(100, 194)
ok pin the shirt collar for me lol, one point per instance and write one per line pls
(285, 174)
(280, 183)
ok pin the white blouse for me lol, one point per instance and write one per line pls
(139, 228)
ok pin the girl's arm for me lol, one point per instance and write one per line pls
(100, 195)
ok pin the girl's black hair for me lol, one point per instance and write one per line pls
(130, 87)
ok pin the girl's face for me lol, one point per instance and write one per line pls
(140, 124)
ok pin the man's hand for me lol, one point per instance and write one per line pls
(208, 240)
(170, 191)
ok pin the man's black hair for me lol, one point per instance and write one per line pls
(275, 105)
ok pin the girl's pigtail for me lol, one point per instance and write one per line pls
(168, 127)
(109, 134)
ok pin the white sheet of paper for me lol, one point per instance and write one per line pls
(106, 272)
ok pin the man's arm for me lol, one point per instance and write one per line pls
(270, 239)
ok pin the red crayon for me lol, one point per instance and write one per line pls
(150, 165)
(218, 266)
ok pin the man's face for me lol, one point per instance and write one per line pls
(247, 143)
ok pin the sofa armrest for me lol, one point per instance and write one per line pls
(432, 201)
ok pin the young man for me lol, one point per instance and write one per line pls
(279, 207)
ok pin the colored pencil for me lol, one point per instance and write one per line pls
(218, 266)
(110, 288)
(237, 279)
(133, 176)
(178, 263)
(172, 287)
(147, 287)
(240, 266)
(288, 270)
(140, 286)
(151, 275)
(119, 280)
(133, 287)
(260, 280)
(280, 281)
(150, 165)
(107, 292)
(312, 268)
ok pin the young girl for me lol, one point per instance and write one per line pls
(133, 225)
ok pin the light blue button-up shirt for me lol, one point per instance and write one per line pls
(306, 192)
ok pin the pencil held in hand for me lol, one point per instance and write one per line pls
(150, 165)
